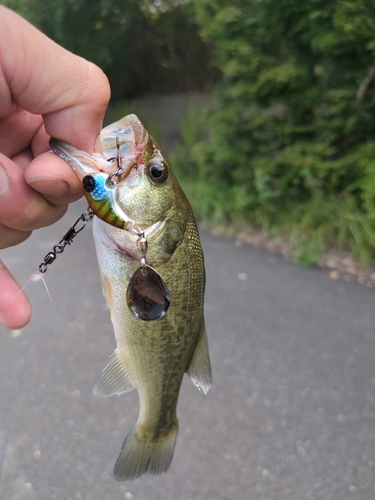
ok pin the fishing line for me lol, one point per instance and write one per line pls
(38, 273)
(67, 239)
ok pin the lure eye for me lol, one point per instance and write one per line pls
(158, 171)
(89, 183)
(95, 187)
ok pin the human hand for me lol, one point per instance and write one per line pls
(44, 91)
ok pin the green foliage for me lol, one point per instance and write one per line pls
(292, 136)
(142, 46)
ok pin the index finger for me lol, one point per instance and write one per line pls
(43, 78)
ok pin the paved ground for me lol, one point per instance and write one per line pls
(291, 415)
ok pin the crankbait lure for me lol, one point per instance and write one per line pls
(147, 295)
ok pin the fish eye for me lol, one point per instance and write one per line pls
(158, 171)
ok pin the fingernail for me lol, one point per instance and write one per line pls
(4, 179)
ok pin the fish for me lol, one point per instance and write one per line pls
(152, 354)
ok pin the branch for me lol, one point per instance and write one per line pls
(364, 85)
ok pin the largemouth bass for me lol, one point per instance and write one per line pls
(152, 355)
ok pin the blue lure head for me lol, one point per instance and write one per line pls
(101, 194)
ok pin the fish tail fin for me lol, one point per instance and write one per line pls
(143, 453)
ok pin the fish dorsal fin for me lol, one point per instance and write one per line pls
(114, 379)
(200, 367)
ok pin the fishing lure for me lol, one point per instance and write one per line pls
(147, 295)
(101, 192)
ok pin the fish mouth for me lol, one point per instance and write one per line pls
(124, 166)
(85, 164)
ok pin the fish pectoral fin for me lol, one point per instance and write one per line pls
(114, 379)
(200, 367)
(106, 289)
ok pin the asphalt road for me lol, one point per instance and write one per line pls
(291, 414)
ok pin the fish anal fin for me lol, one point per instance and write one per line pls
(200, 366)
(114, 379)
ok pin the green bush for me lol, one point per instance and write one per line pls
(143, 47)
(292, 144)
